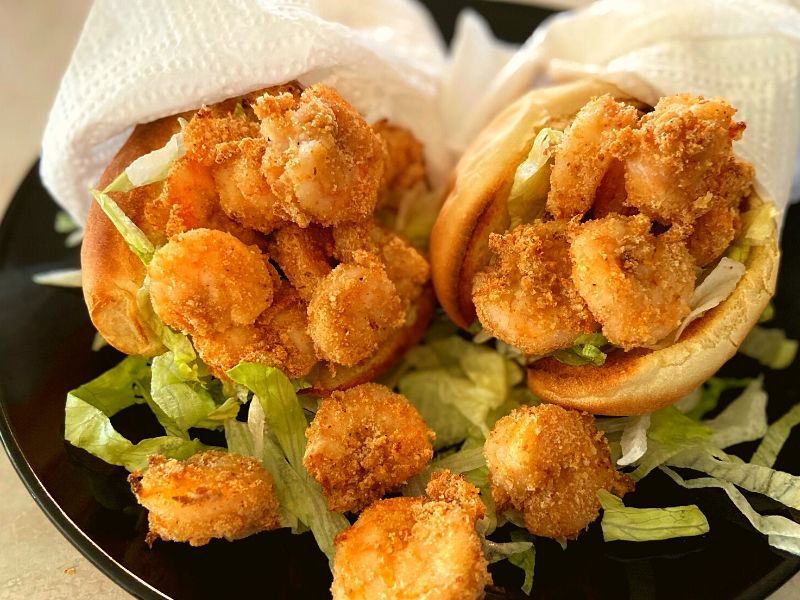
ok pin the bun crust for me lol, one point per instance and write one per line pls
(634, 382)
(112, 274)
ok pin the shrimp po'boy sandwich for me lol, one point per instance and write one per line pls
(619, 247)
(251, 227)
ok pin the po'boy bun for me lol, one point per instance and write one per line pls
(633, 380)
(113, 276)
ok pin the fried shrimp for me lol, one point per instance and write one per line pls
(682, 160)
(527, 298)
(637, 285)
(712, 233)
(405, 163)
(244, 194)
(303, 255)
(354, 308)
(410, 548)
(549, 462)
(278, 338)
(322, 160)
(405, 266)
(213, 494)
(584, 155)
(205, 281)
(363, 443)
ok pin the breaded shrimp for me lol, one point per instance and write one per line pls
(353, 309)
(278, 338)
(244, 194)
(189, 200)
(363, 443)
(405, 163)
(584, 155)
(637, 285)
(549, 462)
(410, 549)
(527, 298)
(610, 197)
(205, 281)
(211, 126)
(322, 160)
(712, 233)
(405, 266)
(303, 255)
(449, 487)
(682, 161)
(213, 494)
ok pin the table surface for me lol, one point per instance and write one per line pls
(36, 38)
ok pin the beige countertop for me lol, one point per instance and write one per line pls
(36, 37)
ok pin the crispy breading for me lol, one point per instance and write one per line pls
(363, 443)
(209, 495)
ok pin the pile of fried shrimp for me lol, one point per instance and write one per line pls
(638, 206)
(268, 247)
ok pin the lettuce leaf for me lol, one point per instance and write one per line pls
(781, 532)
(532, 179)
(707, 396)
(770, 347)
(767, 452)
(277, 426)
(88, 412)
(135, 237)
(634, 440)
(586, 350)
(462, 461)
(59, 278)
(744, 419)
(647, 524)
(525, 560)
(149, 168)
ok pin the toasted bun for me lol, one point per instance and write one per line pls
(634, 382)
(112, 275)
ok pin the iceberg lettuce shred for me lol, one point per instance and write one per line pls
(620, 522)
(532, 179)
(770, 347)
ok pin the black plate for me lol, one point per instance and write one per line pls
(45, 337)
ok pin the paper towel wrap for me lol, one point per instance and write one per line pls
(138, 61)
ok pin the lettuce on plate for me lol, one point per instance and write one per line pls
(532, 179)
(770, 347)
(621, 522)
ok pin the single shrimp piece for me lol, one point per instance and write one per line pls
(244, 194)
(211, 126)
(611, 195)
(549, 463)
(405, 162)
(712, 233)
(636, 284)
(584, 155)
(205, 281)
(527, 298)
(353, 310)
(304, 256)
(363, 443)
(405, 266)
(213, 494)
(410, 548)
(278, 338)
(322, 160)
(682, 160)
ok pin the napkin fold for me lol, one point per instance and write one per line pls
(139, 61)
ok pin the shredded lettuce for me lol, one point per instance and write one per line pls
(417, 210)
(525, 560)
(647, 524)
(634, 440)
(497, 551)
(149, 168)
(135, 237)
(532, 179)
(88, 412)
(59, 278)
(586, 350)
(462, 461)
(744, 419)
(771, 444)
(706, 397)
(238, 111)
(770, 347)
(782, 533)
(278, 425)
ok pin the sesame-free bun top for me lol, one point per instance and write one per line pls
(633, 382)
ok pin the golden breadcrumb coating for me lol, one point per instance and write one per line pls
(363, 443)
(548, 463)
(323, 161)
(206, 281)
(304, 256)
(527, 298)
(637, 285)
(410, 549)
(213, 494)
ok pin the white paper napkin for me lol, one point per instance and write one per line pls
(138, 61)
